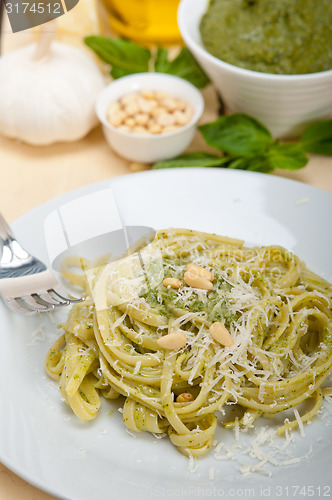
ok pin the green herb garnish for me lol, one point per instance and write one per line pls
(126, 57)
(317, 138)
(246, 144)
(183, 65)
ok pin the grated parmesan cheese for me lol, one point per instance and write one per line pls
(38, 335)
(192, 466)
(299, 421)
(137, 367)
(302, 201)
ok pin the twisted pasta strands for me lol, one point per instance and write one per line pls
(277, 312)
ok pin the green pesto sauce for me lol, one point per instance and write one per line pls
(270, 36)
(164, 300)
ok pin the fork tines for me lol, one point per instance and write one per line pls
(40, 302)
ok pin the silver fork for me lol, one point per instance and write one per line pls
(26, 284)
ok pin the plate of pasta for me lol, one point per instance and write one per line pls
(198, 363)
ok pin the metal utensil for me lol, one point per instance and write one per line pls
(26, 284)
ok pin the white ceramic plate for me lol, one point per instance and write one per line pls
(44, 443)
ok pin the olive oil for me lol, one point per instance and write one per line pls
(145, 21)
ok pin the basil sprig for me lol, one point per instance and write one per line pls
(248, 145)
(184, 66)
(317, 138)
(126, 57)
(243, 141)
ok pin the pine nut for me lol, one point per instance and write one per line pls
(156, 112)
(220, 334)
(185, 397)
(155, 128)
(173, 283)
(128, 99)
(142, 118)
(200, 271)
(114, 108)
(144, 105)
(147, 94)
(172, 341)
(124, 128)
(182, 105)
(139, 129)
(181, 118)
(131, 109)
(161, 95)
(166, 119)
(117, 118)
(170, 128)
(169, 103)
(188, 112)
(195, 281)
(130, 122)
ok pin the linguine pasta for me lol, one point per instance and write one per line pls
(277, 312)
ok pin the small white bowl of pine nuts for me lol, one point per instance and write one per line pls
(148, 117)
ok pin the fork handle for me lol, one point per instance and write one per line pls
(5, 231)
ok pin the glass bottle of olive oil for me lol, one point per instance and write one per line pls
(145, 21)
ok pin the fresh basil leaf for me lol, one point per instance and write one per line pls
(287, 156)
(256, 164)
(237, 134)
(184, 65)
(161, 64)
(118, 72)
(260, 164)
(317, 138)
(238, 163)
(124, 56)
(127, 57)
(192, 160)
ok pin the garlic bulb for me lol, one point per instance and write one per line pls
(48, 92)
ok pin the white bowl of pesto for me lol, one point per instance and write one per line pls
(284, 103)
